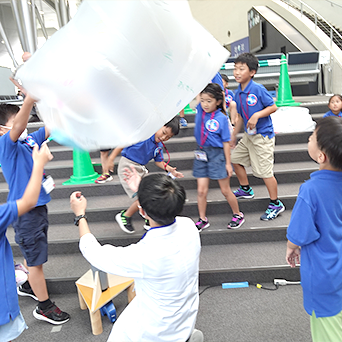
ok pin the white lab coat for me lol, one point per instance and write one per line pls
(164, 265)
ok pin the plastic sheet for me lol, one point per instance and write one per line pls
(119, 70)
(292, 119)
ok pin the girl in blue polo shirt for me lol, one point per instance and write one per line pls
(212, 157)
(335, 106)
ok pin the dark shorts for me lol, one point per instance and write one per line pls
(31, 235)
(214, 168)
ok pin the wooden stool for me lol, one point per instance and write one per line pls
(92, 298)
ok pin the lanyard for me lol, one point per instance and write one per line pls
(204, 138)
(168, 155)
(246, 114)
(157, 228)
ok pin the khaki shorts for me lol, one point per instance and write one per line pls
(256, 151)
(127, 163)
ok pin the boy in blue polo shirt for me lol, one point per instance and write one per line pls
(315, 233)
(256, 148)
(30, 229)
(138, 156)
(12, 323)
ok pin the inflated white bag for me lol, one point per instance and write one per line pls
(292, 119)
(119, 70)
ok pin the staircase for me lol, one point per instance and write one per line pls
(253, 253)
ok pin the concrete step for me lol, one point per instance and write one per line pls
(252, 262)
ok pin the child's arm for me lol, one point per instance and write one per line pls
(226, 150)
(170, 169)
(233, 112)
(238, 125)
(31, 194)
(111, 158)
(21, 119)
(292, 254)
(251, 123)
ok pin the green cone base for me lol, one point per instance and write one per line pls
(288, 103)
(82, 180)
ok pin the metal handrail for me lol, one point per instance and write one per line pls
(317, 15)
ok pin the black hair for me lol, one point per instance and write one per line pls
(225, 77)
(161, 197)
(249, 59)
(329, 139)
(216, 92)
(6, 112)
(337, 95)
(174, 125)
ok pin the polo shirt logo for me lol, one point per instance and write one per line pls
(157, 151)
(230, 98)
(252, 100)
(212, 125)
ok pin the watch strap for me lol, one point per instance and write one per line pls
(77, 219)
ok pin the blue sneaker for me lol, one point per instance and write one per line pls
(240, 193)
(183, 122)
(272, 211)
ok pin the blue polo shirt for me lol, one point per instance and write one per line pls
(16, 163)
(254, 98)
(229, 95)
(144, 151)
(316, 226)
(217, 128)
(9, 297)
(330, 113)
(218, 80)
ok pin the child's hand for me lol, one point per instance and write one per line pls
(232, 142)
(132, 178)
(251, 123)
(110, 166)
(229, 169)
(292, 256)
(41, 156)
(175, 173)
(78, 203)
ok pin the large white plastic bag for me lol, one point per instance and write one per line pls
(119, 70)
(292, 119)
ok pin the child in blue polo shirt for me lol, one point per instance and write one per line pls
(138, 155)
(315, 233)
(12, 323)
(335, 106)
(212, 157)
(256, 148)
(30, 229)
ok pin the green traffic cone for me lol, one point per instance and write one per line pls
(284, 90)
(188, 110)
(83, 170)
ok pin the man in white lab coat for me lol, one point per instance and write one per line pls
(164, 264)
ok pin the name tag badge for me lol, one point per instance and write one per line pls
(201, 155)
(48, 184)
(252, 131)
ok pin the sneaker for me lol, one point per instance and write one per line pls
(53, 315)
(147, 225)
(106, 177)
(237, 221)
(240, 193)
(201, 224)
(26, 292)
(183, 122)
(124, 222)
(272, 211)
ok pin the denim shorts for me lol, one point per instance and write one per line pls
(214, 168)
(31, 235)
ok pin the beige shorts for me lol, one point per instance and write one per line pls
(256, 151)
(127, 163)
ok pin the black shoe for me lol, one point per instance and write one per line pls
(147, 225)
(26, 292)
(52, 315)
(124, 222)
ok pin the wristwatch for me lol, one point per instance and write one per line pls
(77, 219)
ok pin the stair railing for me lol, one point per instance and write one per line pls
(303, 6)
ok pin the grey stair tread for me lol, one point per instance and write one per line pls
(232, 257)
(110, 229)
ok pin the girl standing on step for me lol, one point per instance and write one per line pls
(335, 106)
(212, 157)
